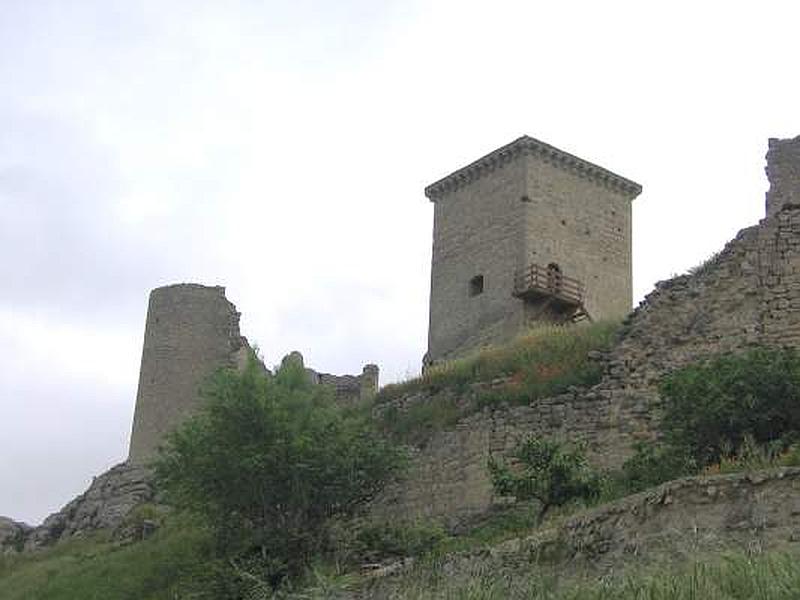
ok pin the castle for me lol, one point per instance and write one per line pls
(528, 233)
(748, 294)
(192, 330)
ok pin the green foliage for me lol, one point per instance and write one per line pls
(270, 463)
(543, 361)
(378, 542)
(546, 361)
(651, 464)
(415, 424)
(547, 471)
(714, 405)
(172, 563)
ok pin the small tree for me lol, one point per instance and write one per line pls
(547, 471)
(270, 463)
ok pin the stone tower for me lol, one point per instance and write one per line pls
(783, 171)
(528, 233)
(191, 331)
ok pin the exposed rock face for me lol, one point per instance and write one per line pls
(109, 499)
(12, 535)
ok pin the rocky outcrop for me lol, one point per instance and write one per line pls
(12, 535)
(109, 500)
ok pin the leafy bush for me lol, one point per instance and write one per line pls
(395, 540)
(714, 405)
(652, 464)
(270, 463)
(547, 471)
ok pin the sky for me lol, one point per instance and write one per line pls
(281, 149)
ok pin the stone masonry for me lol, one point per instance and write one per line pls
(524, 204)
(748, 294)
(686, 520)
(191, 331)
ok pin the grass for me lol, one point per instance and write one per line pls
(175, 562)
(546, 361)
(158, 568)
(771, 576)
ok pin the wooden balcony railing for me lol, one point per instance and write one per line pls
(538, 281)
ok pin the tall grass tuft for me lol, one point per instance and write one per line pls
(545, 361)
(772, 576)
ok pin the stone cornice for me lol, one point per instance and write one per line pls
(527, 145)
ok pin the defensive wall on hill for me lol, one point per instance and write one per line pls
(748, 294)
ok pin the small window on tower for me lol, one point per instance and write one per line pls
(476, 285)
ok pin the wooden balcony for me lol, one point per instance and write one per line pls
(537, 282)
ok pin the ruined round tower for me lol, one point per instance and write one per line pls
(191, 331)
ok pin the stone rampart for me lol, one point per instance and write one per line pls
(748, 294)
(684, 520)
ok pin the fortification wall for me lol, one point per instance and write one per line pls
(683, 520)
(191, 330)
(748, 294)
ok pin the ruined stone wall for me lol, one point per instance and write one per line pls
(348, 390)
(191, 331)
(689, 519)
(448, 477)
(783, 171)
(746, 295)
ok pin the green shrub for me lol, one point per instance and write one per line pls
(653, 463)
(270, 463)
(714, 405)
(547, 471)
(381, 541)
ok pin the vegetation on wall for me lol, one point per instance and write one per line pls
(546, 361)
(739, 576)
(731, 412)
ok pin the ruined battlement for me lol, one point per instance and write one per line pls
(191, 331)
(347, 389)
(783, 172)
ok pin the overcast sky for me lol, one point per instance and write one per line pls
(281, 149)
